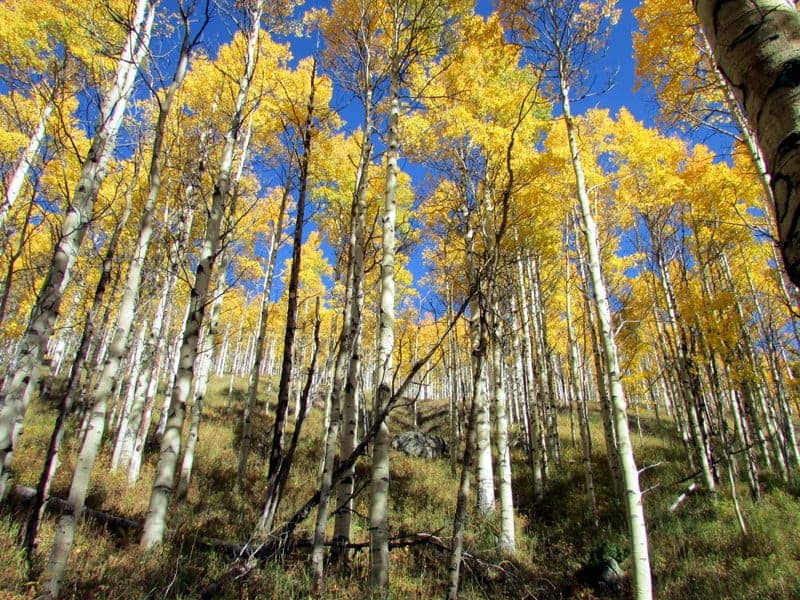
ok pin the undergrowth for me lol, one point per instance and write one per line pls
(697, 552)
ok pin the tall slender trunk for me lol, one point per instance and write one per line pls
(26, 160)
(11, 260)
(507, 542)
(160, 359)
(208, 344)
(155, 520)
(531, 413)
(277, 482)
(287, 364)
(255, 370)
(76, 375)
(484, 471)
(602, 388)
(350, 344)
(16, 393)
(379, 498)
(479, 342)
(580, 396)
(630, 473)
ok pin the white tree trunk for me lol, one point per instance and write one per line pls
(633, 496)
(130, 395)
(200, 387)
(754, 44)
(25, 162)
(16, 393)
(379, 499)
(155, 520)
(507, 541)
(484, 470)
(350, 344)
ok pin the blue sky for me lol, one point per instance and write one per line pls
(617, 65)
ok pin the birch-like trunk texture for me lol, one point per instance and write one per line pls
(73, 382)
(484, 470)
(507, 542)
(16, 393)
(350, 344)
(479, 343)
(633, 496)
(26, 161)
(164, 480)
(755, 45)
(160, 358)
(201, 385)
(530, 412)
(130, 296)
(379, 498)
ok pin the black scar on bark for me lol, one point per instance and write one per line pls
(789, 75)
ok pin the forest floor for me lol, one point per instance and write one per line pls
(697, 551)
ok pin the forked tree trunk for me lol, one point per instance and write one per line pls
(255, 369)
(277, 482)
(287, 364)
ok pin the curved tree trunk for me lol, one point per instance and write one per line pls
(754, 44)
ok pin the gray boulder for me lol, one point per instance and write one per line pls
(603, 575)
(420, 445)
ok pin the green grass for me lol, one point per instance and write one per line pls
(697, 551)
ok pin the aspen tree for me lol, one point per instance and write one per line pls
(207, 345)
(353, 54)
(155, 520)
(564, 34)
(415, 31)
(753, 44)
(263, 314)
(507, 541)
(73, 382)
(303, 123)
(16, 392)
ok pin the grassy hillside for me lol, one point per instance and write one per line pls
(697, 551)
